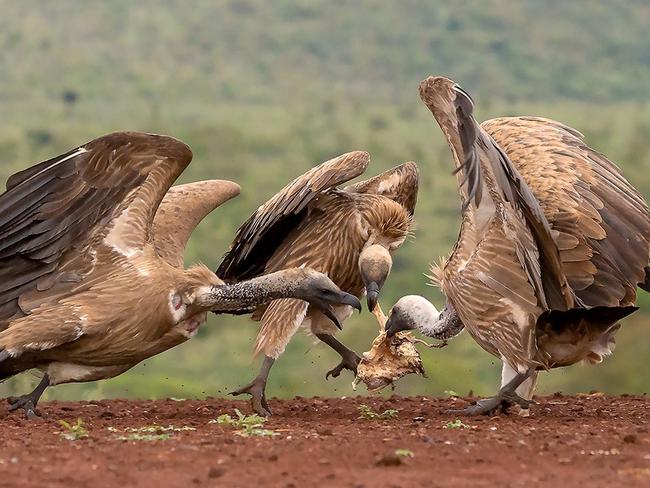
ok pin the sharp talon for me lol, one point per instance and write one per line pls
(32, 415)
(494, 405)
(258, 397)
(335, 373)
(349, 362)
(26, 403)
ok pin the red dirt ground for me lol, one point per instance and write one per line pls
(590, 440)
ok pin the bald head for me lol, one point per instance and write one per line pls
(375, 263)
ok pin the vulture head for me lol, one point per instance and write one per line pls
(375, 263)
(438, 94)
(416, 312)
(321, 292)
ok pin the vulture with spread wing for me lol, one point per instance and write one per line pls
(84, 292)
(553, 244)
(349, 234)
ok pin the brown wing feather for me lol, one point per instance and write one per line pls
(259, 237)
(53, 214)
(182, 210)
(495, 300)
(473, 147)
(601, 224)
(400, 184)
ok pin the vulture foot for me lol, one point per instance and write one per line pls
(349, 361)
(494, 405)
(506, 397)
(28, 402)
(258, 397)
(257, 390)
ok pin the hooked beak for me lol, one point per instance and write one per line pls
(372, 295)
(395, 324)
(343, 299)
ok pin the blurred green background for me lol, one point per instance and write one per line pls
(262, 91)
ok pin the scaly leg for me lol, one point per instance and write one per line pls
(506, 396)
(28, 402)
(256, 389)
(525, 390)
(349, 359)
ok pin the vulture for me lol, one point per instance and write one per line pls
(553, 244)
(87, 288)
(347, 233)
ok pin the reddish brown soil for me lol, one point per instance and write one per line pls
(569, 441)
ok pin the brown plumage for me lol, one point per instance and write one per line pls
(553, 240)
(84, 289)
(348, 234)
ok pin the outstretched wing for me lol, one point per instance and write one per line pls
(400, 184)
(182, 210)
(600, 223)
(55, 214)
(501, 189)
(260, 236)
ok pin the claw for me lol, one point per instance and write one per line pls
(256, 389)
(26, 403)
(493, 405)
(350, 363)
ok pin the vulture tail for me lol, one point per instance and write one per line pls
(596, 316)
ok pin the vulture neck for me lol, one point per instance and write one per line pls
(440, 325)
(244, 297)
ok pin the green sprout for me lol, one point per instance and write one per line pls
(148, 433)
(451, 393)
(73, 432)
(404, 453)
(456, 424)
(367, 413)
(247, 425)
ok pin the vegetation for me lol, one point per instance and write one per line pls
(367, 413)
(456, 424)
(404, 453)
(264, 90)
(247, 425)
(148, 433)
(73, 432)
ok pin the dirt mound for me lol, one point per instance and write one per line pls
(590, 440)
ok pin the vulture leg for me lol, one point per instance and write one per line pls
(349, 358)
(506, 397)
(256, 389)
(28, 402)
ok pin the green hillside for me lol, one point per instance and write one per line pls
(263, 90)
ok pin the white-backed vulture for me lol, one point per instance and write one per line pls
(348, 234)
(82, 286)
(552, 246)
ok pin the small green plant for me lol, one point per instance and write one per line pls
(451, 393)
(456, 424)
(367, 413)
(248, 425)
(404, 453)
(73, 432)
(143, 437)
(148, 433)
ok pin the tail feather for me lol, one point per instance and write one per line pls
(604, 316)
